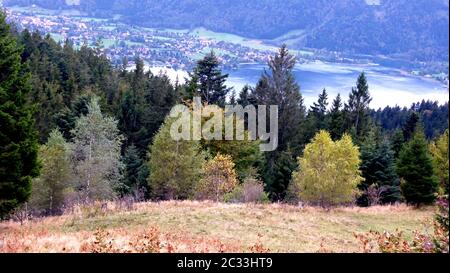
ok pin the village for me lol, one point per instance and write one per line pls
(169, 48)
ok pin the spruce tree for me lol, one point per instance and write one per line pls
(415, 168)
(410, 126)
(246, 97)
(358, 108)
(18, 136)
(336, 117)
(317, 119)
(209, 80)
(319, 110)
(278, 87)
(397, 141)
(378, 170)
(134, 178)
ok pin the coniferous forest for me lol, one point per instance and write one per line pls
(77, 132)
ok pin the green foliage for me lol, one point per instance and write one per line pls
(329, 171)
(219, 178)
(48, 189)
(410, 126)
(18, 137)
(208, 81)
(337, 119)
(278, 87)
(96, 154)
(135, 172)
(415, 168)
(357, 109)
(397, 141)
(175, 166)
(440, 153)
(378, 170)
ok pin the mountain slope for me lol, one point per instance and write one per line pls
(412, 29)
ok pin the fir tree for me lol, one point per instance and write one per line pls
(209, 80)
(358, 108)
(278, 87)
(336, 117)
(378, 171)
(246, 97)
(410, 126)
(134, 179)
(415, 168)
(18, 137)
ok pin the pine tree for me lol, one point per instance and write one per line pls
(415, 168)
(175, 166)
(210, 81)
(358, 108)
(337, 119)
(18, 137)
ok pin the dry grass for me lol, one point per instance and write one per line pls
(208, 227)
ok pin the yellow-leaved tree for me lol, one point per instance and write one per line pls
(439, 150)
(219, 178)
(328, 171)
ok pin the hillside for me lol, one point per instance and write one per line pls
(208, 227)
(412, 30)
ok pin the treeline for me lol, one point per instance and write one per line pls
(74, 129)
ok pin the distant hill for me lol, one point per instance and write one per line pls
(413, 30)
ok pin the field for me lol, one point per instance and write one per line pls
(207, 227)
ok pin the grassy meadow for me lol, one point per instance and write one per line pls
(208, 227)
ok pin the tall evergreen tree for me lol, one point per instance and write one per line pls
(358, 108)
(337, 119)
(317, 117)
(319, 110)
(415, 167)
(410, 126)
(135, 172)
(18, 137)
(209, 80)
(246, 97)
(397, 141)
(378, 170)
(278, 87)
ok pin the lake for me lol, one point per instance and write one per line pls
(387, 86)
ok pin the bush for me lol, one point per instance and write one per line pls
(251, 191)
(219, 179)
